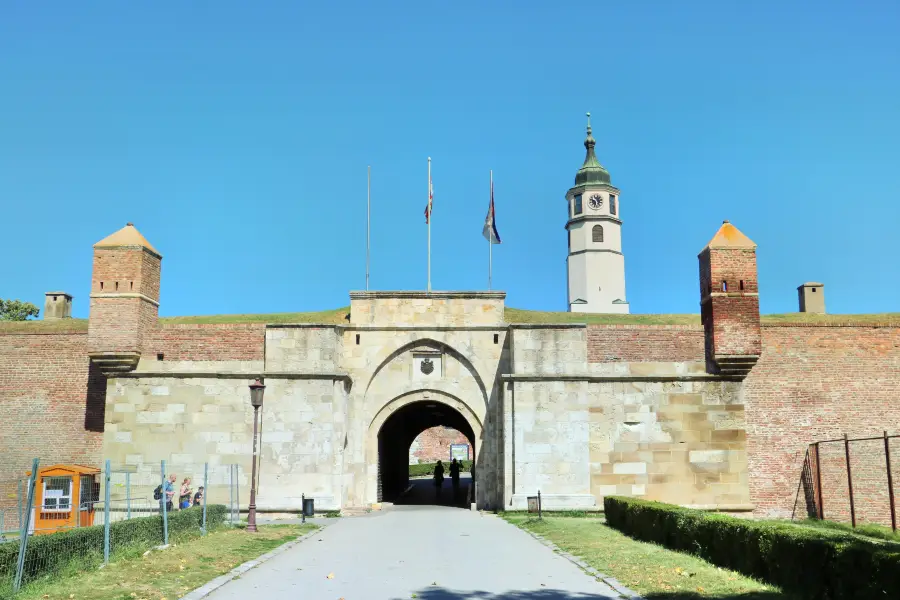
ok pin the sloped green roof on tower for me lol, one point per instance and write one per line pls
(591, 171)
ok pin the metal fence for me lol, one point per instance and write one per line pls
(72, 516)
(851, 479)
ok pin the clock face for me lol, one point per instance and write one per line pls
(596, 201)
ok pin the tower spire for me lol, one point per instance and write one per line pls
(591, 171)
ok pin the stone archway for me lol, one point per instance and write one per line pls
(394, 427)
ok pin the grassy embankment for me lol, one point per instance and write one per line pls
(653, 571)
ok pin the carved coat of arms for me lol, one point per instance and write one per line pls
(427, 366)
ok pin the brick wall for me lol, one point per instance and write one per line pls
(207, 342)
(433, 445)
(816, 383)
(51, 404)
(645, 343)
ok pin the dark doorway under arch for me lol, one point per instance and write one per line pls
(397, 434)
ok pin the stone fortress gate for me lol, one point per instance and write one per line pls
(344, 402)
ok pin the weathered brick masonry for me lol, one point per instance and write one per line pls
(207, 342)
(819, 382)
(645, 343)
(433, 444)
(51, 404)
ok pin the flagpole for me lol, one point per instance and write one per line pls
(490, 242)
(429, 224)
(368, 220)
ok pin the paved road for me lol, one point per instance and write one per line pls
(425, 552)
(423, 491)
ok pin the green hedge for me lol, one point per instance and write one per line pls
(465, 466)
(83, 546)
(812, 563)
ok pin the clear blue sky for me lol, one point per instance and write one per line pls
(236, 137)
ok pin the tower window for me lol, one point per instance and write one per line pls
(577, 209)
(724, 286)
(597, 233)
(117, 286)
(814, 290)
(101, 286)
(612, 204)
(357, 339)
(742, 285)
(496, 338)
(131, 285)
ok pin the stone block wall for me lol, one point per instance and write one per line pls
(548, 350)
(190, 420)
(444, 309)
(661, 431)
(308, 349)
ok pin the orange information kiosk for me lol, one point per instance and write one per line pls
(64, 498)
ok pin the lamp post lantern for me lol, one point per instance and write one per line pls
(256, 399)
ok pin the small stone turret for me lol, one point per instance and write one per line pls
(729, 302)
(124, 299)
(812, 297)
(57, 305)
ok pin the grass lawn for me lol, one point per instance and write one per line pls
(339, 316)
(650, 570)
(166, 574)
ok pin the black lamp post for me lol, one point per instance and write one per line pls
(256, 399)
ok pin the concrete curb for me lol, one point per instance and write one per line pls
(623, 591)
(208, 588)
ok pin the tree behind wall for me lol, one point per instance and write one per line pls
(16, 310)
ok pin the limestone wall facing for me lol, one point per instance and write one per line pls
(549, 349)
(661, 431)
(445, 309)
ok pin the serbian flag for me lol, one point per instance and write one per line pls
(490, 223)
(430, 198)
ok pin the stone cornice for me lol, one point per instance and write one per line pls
(547, 325)
(594, 378)
(590, 250)
(129, 247)
(363, 295)
(605, 187)
(585, 217)
(125, 295)
(249, 375)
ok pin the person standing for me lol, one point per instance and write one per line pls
(454, 478)
(438, 480)
(184, 496)
(167, 493)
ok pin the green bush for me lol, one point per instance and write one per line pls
(52, 552)
(813, 563)
(465, 466)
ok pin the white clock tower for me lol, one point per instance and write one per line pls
(596, 265)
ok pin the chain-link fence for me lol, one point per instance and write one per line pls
(70, 517)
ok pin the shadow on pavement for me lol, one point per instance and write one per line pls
(439, 593)
(423, 492)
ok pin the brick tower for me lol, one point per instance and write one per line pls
(124, 299)
(729, 302)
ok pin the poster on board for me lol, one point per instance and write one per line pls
(459, 451)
